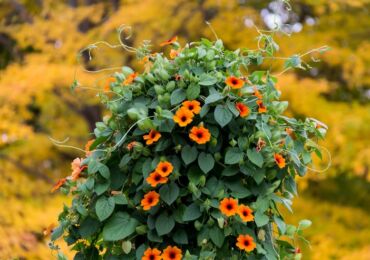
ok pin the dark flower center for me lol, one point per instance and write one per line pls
(157, 177)
(246, 242)
(234, 81)
(152, 257)
(150, 200)
(199, 134)
(172, 255)
(164, 169)
(245, 213)
(183, 118)
(191, 107)
(229, 206)
(152, 134)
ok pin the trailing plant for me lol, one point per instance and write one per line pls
(193, 161)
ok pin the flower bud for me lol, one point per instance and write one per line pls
(141, 229)
(202, 181)
(126, 246)
(198, 225)
(218, 156)
(159, 89)
(233, 142)
(221, 222)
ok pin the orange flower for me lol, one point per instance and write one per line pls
(152, 137)
(183, 117)
(155, 178)
(245, 242)
(177, 77)
(200, 135)
(193, 106)
(280, 161)
(169, 41)
(107, 84)
(229, 206)
(152, 254)
(47, 231)
(257, 93)
(131, 145)
(150, 200)
(164, 168)
(261, 107)
(234, 82)
(172, 253)
(87, 147)
(174, 53)
(260, 144)
(130, 78)
(59, 184)
(245, 213)
(243, 109)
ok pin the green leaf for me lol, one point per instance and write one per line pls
(255, 157)
(213, 98)
(233, 156)
(104, 207)
(104, 171)
(169, 193)
(232, 108)
(207, 80)
(164, 224)
(305, 223)
(206, 162)
(261, 219)
(222, 115)
(230, 170)
(217, 236)
(192, 212)
(189, 154)
(119, 226)
(124, 161)
(193, 91)
(88, 227)
(57, 233)
(177, 96)
(280, 224)
(120, 199)
(180, 237)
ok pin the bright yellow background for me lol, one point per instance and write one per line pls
(39, 41)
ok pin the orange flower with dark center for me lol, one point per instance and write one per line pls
(130, 78)
(155, 178)
(257, 93)
(246, 242)
(200, 135)
(172, 253)
(164, 168)
(152, 137)
(183, 117)
(261, 107)
(280, 161)
(177, 77)
(131, 145)
(87, 147)
(243, 109)
(59, 184)
(169, 41)
(150, 200)
(229, 206)
(193, 106)
(108, 83)
(260, 144)
(152, 254)
(245, 213)
(234, 82)
(174, 53)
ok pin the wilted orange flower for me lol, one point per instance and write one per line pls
(200, 135)
(152, 137)
(260, 144)
(87, 147)
(193, 106)
(172, 253)
(280, 161)
(257, 93)
(164, 168)
(177, 77)
(169, 41)
(234, 82)
(131, 145)
(174, 53)
(107, 84)
(47, 231)
(243, 109)
(261, 107)
(76, 169)
(59, 184)
(245, 213)
(289, 131)
(130, 78)
(246, 242)
(183, 117)
(150, 200)
(229, 206)
(152, 254)
(155, 178)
